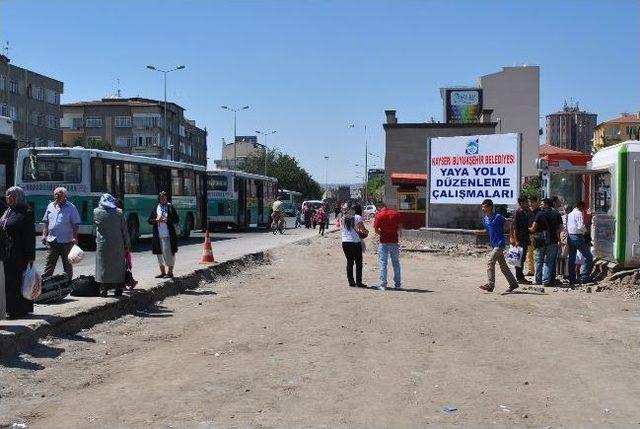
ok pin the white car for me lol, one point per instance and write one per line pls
(370, 210)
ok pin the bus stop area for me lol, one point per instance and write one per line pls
(232, 251)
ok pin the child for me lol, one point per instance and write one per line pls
(494, 224)
(321, 220)
(298, 218)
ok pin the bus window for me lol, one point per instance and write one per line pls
(131, 178)
(147, 181)
(217, 183)
(188, 183)
(602, 193)
(177, 185)
(63, 170)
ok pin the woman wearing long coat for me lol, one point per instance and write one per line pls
(164, 243)
(18, 224)
(112, 242)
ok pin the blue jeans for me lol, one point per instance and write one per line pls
(545, 264)
(577, 242)
(384, 250)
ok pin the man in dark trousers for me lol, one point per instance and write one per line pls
(540, 230)
(520, 235)
(554, 221)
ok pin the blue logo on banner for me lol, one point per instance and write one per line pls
(472, 147)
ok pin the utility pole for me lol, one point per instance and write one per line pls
(235, 133)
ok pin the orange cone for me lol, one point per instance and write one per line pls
(207, 251)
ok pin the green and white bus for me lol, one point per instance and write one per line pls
(292, 200)
(135, 180)
(239, 200)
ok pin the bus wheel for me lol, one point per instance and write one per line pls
(134, 229)
(188, 226)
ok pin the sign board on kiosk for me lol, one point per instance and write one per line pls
(470, 169)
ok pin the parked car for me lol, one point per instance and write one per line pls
(370, 210)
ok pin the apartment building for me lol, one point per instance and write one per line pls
(617, 130)
(32, 101)
(571, 128)
(136, 126)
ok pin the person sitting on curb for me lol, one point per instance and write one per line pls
(494, 224)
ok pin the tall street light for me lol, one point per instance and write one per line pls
(366, 153)
(235, 134)
(326, 174)
(265, 133)
(164, 122)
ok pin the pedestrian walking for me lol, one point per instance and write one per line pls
(388, 225)
(164, 243)
(534, 208)
(494, 224)
(577, 230)
(112, 243)
(306, 213)
(17, 224)
(321, 218)
(554, 221)
(352, 230)
(520, 235)
(298, 218)
(61, 221)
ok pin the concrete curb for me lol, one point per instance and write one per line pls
(24, 337)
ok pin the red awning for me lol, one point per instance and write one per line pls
(554, 154)
(409, 179)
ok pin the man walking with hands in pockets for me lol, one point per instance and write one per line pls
(388, 225)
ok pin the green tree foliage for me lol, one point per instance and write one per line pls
(373, 188)
(93, 144)
(286, 169)
(533, 187)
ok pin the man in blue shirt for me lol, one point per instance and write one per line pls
(60, 232)
(494, 224)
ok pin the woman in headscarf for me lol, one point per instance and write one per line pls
(352, 229)
(165, 220)
(112, 243)
(18, 225)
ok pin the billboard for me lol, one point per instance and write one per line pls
(463, 105)
(469, 169)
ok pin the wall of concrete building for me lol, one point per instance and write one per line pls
(407, 151)
(514, 96)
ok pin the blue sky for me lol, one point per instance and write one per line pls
(309, 68)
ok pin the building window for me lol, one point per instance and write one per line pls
(13, 86)
(38, 93)
(123, 122)
(52, 122)
(51, 143)
(4, 109)
(93, 122)
(76, 123)
(3, 82)
(37, 118)
(52, 96)
(13, 112)
(123, 141)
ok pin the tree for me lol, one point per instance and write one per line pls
(373, 187)
(286, 169)
(533, 187)
(93, 144)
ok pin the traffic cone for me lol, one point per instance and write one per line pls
(207, 251)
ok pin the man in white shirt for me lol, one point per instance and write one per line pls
(576, 229)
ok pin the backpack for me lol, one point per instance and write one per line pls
(85, 286)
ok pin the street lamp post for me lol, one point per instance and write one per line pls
(164, 121)
(265, 133)
(235, 134)
(326, 174)
(366, 153)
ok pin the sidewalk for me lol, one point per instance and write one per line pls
(76, 313)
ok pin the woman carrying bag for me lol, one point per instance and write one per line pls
(17, 223)
(353, 231)
(165, 221)
(112, 244)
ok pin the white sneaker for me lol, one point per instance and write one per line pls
(382, 288)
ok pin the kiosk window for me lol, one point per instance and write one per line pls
(407, 202)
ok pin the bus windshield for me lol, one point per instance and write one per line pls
(64, 170)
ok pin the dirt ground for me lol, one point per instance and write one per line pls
(289, 344)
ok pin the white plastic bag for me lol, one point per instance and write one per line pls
(31, 283)
(579, 258)
(76, 255)
(514, 256)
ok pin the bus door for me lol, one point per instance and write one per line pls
(114, 178)
(241, 188)
(201, 198)
(260, 195)
(163, 180)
